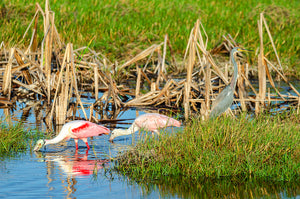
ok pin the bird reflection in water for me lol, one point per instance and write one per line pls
(72, 166)
(76, 165)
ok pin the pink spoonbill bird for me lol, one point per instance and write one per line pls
(150, 122)
(77, 129)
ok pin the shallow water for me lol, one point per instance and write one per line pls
(59, 172)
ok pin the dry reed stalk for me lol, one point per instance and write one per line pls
(96, 57)
(59, 110)
(164, 90)
(261, 67)
(153, 86)
(138, 82)
(216, 68)
(226, 71)
(143, 100)
(6, 85)
(2, 45)
(75, 80)
(34, 39)
(71, 112)
(158, 68)
(283, 77)
(55, 35)
(29, 60)
(269, 97)
(163, 69)
(272, 42)
(63, 98)
(114, 93)
(59, 79)
(33, 19)
(249, 84)
(96, 74)
(141, 55)
(24, 71)
(18, 68)
(66, 86)
(29, 87)
(189, 67)
(146, 77)
(103, 78)
(272, 83)
(247, 72)
(207, 89)
(47, 50)
(28, 50)
(91, 112)
(241, 87)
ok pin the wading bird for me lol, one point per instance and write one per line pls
(77, 129)
(225, 98)
(149, 122)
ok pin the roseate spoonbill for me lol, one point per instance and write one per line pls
(77, 129)
(225, 98)
(150, 122)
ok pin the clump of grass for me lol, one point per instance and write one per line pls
(265, 148)
(14, 139)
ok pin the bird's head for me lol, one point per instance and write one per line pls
(115, 133)
(39, 144)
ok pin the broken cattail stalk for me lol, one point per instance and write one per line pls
(6, 87)
(138, 82)
(96, 74)
(261, 66)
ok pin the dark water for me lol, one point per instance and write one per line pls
(59, 172)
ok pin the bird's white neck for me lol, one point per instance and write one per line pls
(58, 138)
(133, 128)
(235, 70)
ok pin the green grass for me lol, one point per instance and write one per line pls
(122, 28)
(262, 148)
(14, 139)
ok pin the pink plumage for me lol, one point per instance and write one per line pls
(155, 121)
(77, 129)
(83, 129)
(148, 122)
(89, 129)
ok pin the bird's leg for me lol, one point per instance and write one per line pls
(86, 142)
(76, 143)
(87, 145)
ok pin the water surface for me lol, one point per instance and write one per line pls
(59, 172)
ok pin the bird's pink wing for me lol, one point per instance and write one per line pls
(89, 129)
(156, 121)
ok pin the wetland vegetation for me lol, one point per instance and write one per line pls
(14, 139)
(265, 147)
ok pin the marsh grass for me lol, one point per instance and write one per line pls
(123, 28)
(15, 139)
(264, 148)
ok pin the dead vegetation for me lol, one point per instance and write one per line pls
(59, 76)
